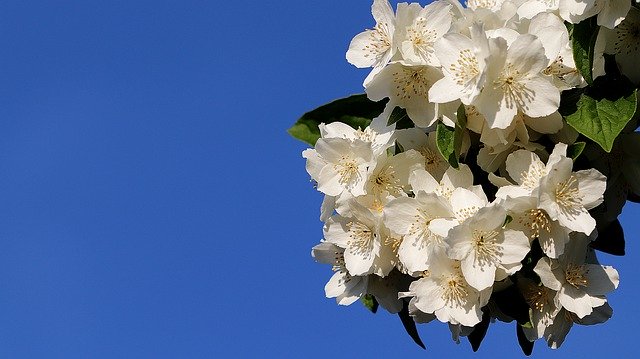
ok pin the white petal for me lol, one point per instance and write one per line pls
(548, 278)
(592, 185)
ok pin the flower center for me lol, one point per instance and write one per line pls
(386, 180)
(432, 160)
(393, 243)
(454, 288)
(531, 178)
(379, 42)
(411, 82)
(576, 275)
(538, 297)
(347, 169)
(516, 93)
(536, 220)
(422, 37)
(361, 238)
(568, 194)
(483, 244)
(466, 68)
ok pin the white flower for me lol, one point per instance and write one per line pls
(536, 224)
(339, 165)
(375, 47)
(624, 43)
(491, 158)
(572, 11)
(515, 82)
(390, 176)
(517, 131)
(463, 62)
(553, 34)
(610, 12)
(544, 308)
(493, 5)
(425, 144)
(377, 134)
(581, 286)
(467, 202)
(342, 286)
(566, 196)
(360, 233)
(526, 169)
(407, 87)
(347, 288)
(418, 29)
(445, 293)
(563, 321)
(422, 181)
(482, 246)
(416, 219)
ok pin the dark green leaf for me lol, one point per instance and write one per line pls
(397, 114)
(610, 239)
(370, 302)
(410, 325)
(460, 126)
(575, 150)
(400, 118)
(507, 220)
(449, 140)
(525, 344)
(356, 111)
(479, 330)
(583, 38)
(445, 142)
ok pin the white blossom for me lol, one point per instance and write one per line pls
(375, 47)
(581, 286)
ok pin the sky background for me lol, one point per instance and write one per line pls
(153, 206)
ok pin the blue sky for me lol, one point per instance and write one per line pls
(153, 206)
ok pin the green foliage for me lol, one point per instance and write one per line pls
(583, 38)
(356, 111)
(575, 150)
(449, 140)
(602, 120)
(370, 302)
(400, 118)
(445, 142)
(600, 112)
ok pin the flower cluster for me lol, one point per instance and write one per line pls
(412, 226)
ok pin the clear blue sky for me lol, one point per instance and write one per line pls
(153, 206)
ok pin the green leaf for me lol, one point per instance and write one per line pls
(356, 111)
(410, 325)
(400, 118)
(575, 150)
(583, 38)
(449, 140)
(446, 145)
(370, 303)
(602, 120)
